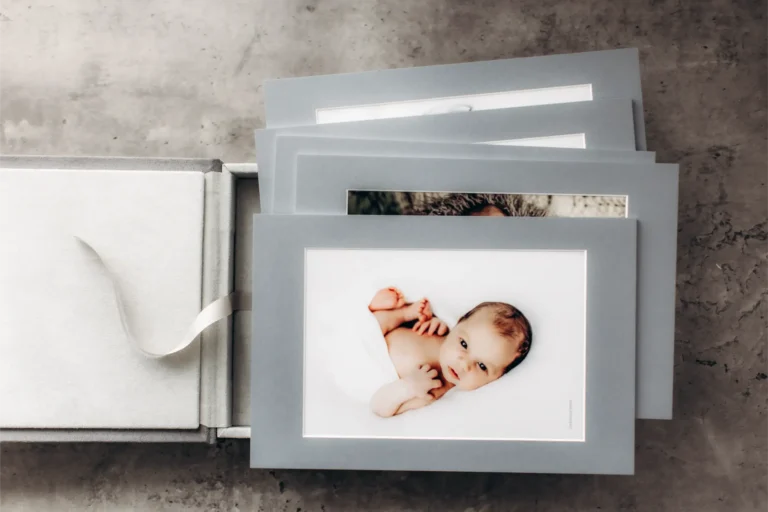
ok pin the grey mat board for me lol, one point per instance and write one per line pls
(612, 73)
(287, 147)
(323, 181)
(277, 372)
(607, 124)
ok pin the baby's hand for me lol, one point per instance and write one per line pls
(431, 327)
(422, 381)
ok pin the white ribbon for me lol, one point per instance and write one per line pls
(212, 313)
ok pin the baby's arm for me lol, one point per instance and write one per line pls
(410, 392)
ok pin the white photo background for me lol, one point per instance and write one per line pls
(465, 103)
(345, 357)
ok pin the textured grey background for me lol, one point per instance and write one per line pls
(182, 78)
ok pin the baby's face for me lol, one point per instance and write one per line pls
(488, 211)
(474, 353)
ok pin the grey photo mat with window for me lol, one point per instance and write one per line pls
(323, 183)
(288, 147)
(280, 242)
(611, 73)
(606, 125)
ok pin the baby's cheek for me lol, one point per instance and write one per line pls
(482, 380)
(494, 377)
(473, 382)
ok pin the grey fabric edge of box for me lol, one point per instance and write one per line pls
(243, 170)
(217, 282)
(246, 174)
(28, 435)
(110, 163)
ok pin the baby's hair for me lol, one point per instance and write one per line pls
(511, 323)
(451, 204)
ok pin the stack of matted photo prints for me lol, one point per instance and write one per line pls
(466, 267)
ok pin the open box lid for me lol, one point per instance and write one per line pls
(98, 388)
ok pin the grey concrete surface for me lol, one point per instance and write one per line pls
(183, 78)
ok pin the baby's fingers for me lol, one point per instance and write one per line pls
(442, 330)
(428, 395)
(417, 325)
(432, 374)
(435, 325)
(436, 383)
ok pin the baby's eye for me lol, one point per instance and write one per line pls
(463, 343)
(482, 367)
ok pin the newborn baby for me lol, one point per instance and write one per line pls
(487, 342)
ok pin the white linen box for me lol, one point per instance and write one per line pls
(164, 229)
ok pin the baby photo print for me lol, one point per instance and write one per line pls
(445, 344)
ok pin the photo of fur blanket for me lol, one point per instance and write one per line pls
(508, 205)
